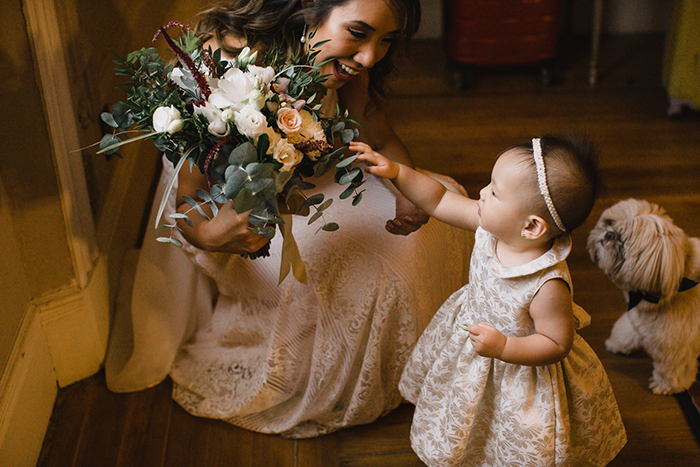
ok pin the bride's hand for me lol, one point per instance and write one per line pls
(409, 217)
(228, 233)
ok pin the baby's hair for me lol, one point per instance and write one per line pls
(571, 163)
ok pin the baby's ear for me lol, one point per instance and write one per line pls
(535, 228)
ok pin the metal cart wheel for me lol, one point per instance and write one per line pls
(463, 76)
(549, 74)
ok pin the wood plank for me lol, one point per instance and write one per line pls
(323, 451)
(147, 424)
(66, 426)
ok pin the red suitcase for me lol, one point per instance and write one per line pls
(501, 32)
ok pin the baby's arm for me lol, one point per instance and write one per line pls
(422, 190)
(553, 316)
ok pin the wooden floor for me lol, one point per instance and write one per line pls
(645, 155)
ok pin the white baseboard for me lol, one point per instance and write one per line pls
(76, 324)
(27, 394)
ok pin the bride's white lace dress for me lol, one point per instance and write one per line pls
(300, 360)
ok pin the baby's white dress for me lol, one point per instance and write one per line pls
(296, 359)
(478, 411)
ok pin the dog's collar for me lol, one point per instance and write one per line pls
(638, 295)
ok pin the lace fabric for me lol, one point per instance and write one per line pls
(300, 360)
(472, 410)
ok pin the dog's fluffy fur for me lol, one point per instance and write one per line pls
(640, 249)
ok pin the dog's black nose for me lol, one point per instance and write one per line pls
(609, 237)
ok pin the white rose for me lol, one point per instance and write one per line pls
(264, 75)
(218, 125)
(167, 119)
(285, 153)
(255, 99)
(231, 90)
(250, 122)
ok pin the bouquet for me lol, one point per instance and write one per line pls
(254, 130)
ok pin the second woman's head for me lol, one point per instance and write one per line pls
(362, 35)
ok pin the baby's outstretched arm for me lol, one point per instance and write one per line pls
(422, 190)
(552, 314)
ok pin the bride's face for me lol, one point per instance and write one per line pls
(360, 33)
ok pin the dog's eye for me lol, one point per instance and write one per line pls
(607, 222)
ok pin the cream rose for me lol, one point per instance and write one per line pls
(250, 122)
(289, 120)
(273, 137)
(285, 153)
(167, 119)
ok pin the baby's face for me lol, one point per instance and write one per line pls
(502, 208)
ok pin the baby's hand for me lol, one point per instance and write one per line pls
(487, 340)
(378, 164)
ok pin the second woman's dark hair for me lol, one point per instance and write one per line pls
(262, 23)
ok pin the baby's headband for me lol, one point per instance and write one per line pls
(542, 180)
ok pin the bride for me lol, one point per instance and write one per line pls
(297, 359)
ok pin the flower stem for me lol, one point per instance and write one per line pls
(186, 59)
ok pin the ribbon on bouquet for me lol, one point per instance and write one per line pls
(291, 259)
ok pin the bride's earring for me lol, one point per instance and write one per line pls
(303, 35)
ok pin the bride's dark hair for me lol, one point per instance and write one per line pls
(261, 23)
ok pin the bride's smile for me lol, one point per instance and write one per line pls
(359, 34)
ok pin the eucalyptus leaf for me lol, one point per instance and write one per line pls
(268, 231)
(189, 200)
(235, 182)
(264, 187)
(282, 179)
(356, 200)
(337, 153)
(214, 208)
(109, 144)
(315, 217)
(245, 200)
(201, 211)
(257, 170)
(330, 227)
(109, 119)
(203, 195)
(119, 109)
(243, 154)
(291, 194)
(350, 176)
(347, 192)
(217, 194)
(326, 204)
(322, 168)
(347, 161)
(315, 199)
(346, 136)
(174, 241)
(340, 126)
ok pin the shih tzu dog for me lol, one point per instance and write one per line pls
(657, 267)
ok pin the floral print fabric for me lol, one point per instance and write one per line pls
(478, 411)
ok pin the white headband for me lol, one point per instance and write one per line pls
(542, 180)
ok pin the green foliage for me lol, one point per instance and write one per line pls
(241, 170)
